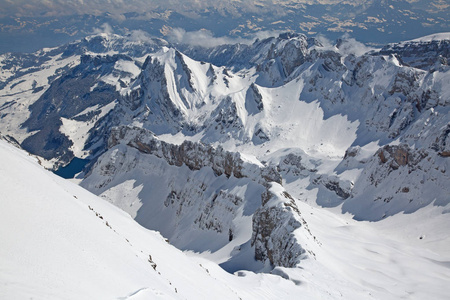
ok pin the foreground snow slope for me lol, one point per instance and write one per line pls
(59, 241)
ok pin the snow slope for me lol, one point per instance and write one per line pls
(61, 242)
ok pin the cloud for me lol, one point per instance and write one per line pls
(326, 43)
(105, 28)
(206, 38)
(264, 34)
(141, 37)
(348, 45)
(203, 37)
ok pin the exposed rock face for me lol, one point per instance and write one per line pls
(291, 51)
(442, 142)
(399, 178)
(194, 155)
(253, 100)
(295, 165)
(273, 227)
(186, 70)
(397, 155)
(225, 119)
(334, 185)
(175, 200)
(149, 98)
(424, 55)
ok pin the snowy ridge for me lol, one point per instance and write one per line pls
(433, 37)
(269, 157)
(60, 241)
(421, 53)
(355, 260)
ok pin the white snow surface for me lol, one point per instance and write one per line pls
(433, 37)
(61, 242)
(55, 245)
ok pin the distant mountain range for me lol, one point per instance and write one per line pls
(373, 21)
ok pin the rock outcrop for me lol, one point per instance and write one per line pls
(273, 230)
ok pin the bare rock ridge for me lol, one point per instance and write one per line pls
(194, 155)
(273, 226)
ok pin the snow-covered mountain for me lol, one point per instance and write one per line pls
(269, 157)
(61, 242)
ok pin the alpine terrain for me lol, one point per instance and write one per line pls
(288, 168)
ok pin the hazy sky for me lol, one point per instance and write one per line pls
(377, 24)
(64, 7)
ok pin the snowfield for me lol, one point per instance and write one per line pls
(61, 242)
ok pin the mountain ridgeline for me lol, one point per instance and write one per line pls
(214, 147)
